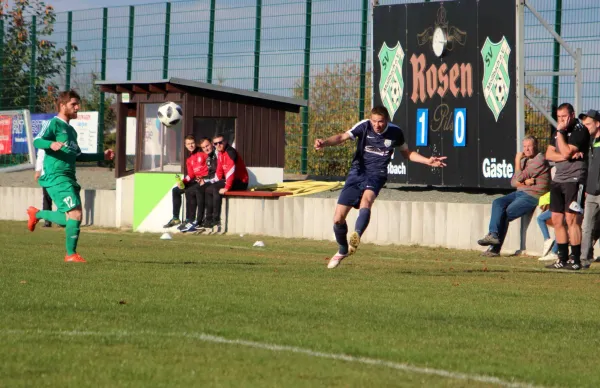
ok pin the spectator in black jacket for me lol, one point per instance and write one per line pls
(206, 181)
(569, 151)
(591, 120)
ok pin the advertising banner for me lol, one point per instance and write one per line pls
(446, 73)
(86, 126)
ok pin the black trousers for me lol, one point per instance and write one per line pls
(214, 200)
(46, 203)
(200, 191)
(46, 200)
(190, 200)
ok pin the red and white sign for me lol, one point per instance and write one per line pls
(5, 135)
(86, 125)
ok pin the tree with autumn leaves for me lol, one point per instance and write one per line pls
(16, 55)
(333, 108)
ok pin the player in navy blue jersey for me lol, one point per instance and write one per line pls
(375, 139)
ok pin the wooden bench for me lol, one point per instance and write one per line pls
(259, 194)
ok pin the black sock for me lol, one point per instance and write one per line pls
(341, 232)
(563, 252)
(364, 216)
(576, 252)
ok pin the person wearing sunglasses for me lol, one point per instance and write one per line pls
(231, 175)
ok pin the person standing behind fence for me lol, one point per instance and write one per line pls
(591, 120)
(569, 150)
(39, 171)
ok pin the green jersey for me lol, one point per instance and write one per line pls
(59, 166)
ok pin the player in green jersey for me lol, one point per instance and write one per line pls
(59, 140)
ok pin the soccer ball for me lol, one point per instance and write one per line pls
(169, 113)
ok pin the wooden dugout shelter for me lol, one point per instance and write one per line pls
(253, 122)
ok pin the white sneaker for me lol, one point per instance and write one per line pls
(547, 246)
(335, 260)
(549, 257)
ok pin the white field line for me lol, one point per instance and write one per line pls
(282, 348)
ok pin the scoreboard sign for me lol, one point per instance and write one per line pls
(446, 74)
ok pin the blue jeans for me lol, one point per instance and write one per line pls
(505, 209)
(541, 220)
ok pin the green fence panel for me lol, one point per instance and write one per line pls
(261, 45)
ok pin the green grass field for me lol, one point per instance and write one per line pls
(214, 311)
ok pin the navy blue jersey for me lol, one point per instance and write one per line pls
(374, 150)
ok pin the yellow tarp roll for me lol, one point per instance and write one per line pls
(298, 188)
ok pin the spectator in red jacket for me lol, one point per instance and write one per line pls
(195, 167)
(231, 175)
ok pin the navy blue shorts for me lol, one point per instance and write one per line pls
(355, 186)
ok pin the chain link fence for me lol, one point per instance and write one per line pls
(319, 50)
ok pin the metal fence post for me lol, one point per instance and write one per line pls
(69, 47)
(306, 89)
(520, 71)
(556, 56)
(257, 44)
(211, 42)
(167, 41)
(32, 69)
(130, 42)
(363, 60)
(101, 124)
(578, 81)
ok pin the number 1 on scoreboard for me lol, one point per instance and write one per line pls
(422, 126)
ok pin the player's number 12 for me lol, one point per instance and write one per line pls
(422, 126)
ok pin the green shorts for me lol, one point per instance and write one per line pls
(65, 195)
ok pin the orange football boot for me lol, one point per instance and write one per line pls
(33, 220)
(74, 258)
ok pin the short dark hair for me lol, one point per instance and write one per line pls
(219, 135)
(65, 97)
(381, 110)
(189, 137)
(204, 139)
(567, 106)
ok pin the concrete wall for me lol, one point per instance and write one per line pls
(99, 206)
(124, 202)
(451, 225)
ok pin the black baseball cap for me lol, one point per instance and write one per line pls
(594, 114)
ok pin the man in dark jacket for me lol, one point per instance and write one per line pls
(569, 151)
(195, 166)
(591, 120)
(206, 181)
